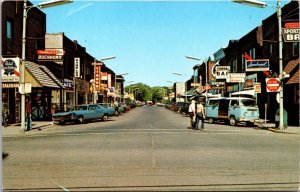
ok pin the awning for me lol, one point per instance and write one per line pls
(190, 93)
(246, 92)
(292, 68)
(41, 76)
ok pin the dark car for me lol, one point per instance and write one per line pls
(184, 109)
(176, 106)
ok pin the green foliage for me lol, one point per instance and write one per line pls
(145, 93)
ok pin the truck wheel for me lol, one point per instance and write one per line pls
(232, 121)
(210, 120)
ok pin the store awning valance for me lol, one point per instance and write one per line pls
(292, 68)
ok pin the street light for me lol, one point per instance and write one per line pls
(206, 76)
(22, 69)
(278, 10)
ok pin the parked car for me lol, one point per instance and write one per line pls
(125, 106)
(184, 108)
(232, 110)
(110, 108)
(81, 113)
(176, 106)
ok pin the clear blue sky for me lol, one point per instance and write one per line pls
(150, 39)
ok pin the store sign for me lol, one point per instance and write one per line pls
(97, 78)
(50, 52)
(77, 67)
(195, 84)
(257, 87)
(236, 78)
(222, 72)
(290, 34)
(10, 85)
(50, 58)
(104, 76)
(257, 65)
(68, 84)
(10, 69)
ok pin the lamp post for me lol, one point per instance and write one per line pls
(22, 69)
(261, 4)
(206, 75)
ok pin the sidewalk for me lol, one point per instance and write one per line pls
(15, 129)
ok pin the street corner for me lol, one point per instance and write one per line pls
(288, 130)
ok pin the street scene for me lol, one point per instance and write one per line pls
(151, 148)
(150, 95)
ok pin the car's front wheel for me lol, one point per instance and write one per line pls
(80, 119)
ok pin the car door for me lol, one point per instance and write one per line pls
(100, 111)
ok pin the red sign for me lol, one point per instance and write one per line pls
(273, 84)
(292, 25)
(51, 52)
(97, 77)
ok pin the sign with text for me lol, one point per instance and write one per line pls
(290, 34)
(10, 69)
(97, 78)
(50, 52)
(257, 65)
(257, 87)
(104, 76)
(236, 78)
(50, 58)
(77, 67)
(222, 72)
(272, 84)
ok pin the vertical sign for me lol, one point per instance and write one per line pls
(109, 80)
(97, 77)
(76, 67)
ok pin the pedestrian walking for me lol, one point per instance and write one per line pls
(28, 114)
(200, 115)
(192, 114)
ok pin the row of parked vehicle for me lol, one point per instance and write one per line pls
(82, 113)
(232, 110)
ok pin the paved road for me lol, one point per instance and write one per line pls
(150, 148)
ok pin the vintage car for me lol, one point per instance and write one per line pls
(111, 109)
(81, 113)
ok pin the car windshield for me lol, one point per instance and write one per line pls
(248, 102)
(79, 108)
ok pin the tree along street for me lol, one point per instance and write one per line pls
(150, 148)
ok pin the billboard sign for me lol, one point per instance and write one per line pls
(10, 69)
(257, 65)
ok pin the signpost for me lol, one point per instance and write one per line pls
(272, 84)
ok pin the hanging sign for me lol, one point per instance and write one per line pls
(222, 72)
(97, 78)
(257, 87)
(10, 69)
(257, 65)
(76, 67)
(236, 78)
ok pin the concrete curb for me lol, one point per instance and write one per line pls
(284, 132)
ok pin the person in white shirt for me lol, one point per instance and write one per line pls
(192, 113)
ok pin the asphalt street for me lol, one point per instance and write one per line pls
(150, 148)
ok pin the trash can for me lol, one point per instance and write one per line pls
(285, 118)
